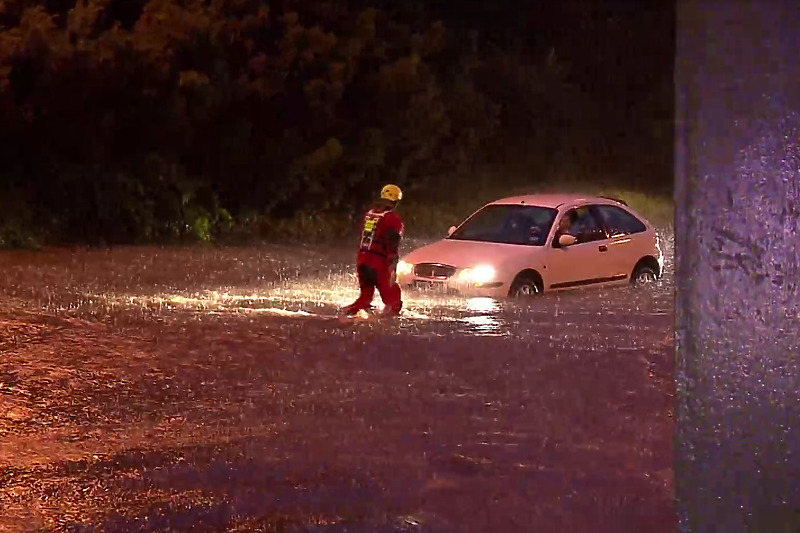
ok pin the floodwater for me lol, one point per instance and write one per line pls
(214, 389)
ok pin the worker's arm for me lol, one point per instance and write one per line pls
(395, 234)
(393, 238)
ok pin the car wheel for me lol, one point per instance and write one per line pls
(643, 276)
(524, 288)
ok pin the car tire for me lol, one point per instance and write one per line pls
(524, 287)
(643, 275)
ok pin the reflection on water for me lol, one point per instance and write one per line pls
(484, 325)
(486, 305)
(322, 299)
(486, 322)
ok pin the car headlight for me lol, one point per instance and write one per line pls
(404, 268)
(479, 275)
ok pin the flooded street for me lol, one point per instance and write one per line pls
(215, 389)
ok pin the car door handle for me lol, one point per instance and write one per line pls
(603, 248)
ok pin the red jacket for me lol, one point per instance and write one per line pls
(381, 232)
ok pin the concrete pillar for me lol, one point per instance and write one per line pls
(738, 265)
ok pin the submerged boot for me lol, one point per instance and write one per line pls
(349, 311)
(352, 311)
(390, 313)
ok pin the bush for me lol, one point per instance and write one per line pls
(17, 228)
(13, 234)
(303, 227)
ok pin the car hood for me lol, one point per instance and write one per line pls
(465, 254)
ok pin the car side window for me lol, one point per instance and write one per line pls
(584, 226)
(618, 221)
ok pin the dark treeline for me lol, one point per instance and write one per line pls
(133, 120)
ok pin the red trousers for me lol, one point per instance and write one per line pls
(375, 271)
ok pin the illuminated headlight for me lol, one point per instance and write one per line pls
(404, 269)
(478, 275)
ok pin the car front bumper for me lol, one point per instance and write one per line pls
(454, 286)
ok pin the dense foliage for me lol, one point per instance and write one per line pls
(132, 120)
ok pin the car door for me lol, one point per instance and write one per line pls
(584, 263)
(623, 229)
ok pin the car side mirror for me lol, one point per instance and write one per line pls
(451, 230)
(566, 240)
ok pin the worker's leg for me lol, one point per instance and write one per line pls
(389, 289)
(367, 280)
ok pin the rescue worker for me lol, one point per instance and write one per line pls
(378, 254)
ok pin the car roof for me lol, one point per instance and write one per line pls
(556, 200)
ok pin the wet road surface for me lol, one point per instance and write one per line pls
(201, 389)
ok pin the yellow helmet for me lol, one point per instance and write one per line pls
(392, 193)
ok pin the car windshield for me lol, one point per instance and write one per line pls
(508, 224)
